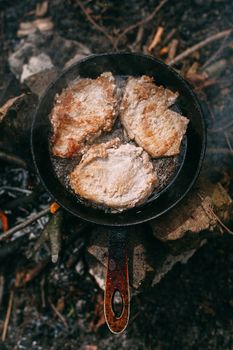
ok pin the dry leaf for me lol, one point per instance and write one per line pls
(5, 108)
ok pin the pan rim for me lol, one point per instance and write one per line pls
(200, 161)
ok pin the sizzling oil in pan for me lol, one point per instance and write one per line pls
(166, 168)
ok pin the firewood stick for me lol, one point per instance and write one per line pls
(200, 45)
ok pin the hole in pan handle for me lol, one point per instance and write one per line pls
(117, 281)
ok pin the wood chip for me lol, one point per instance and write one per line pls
(163, 51)
(192, 69)
(43, 24)
(54, 207)
(5, 108)
(156, 39)
(41, 9)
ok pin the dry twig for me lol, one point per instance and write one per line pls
(93, 22)
(199, 45)
(218, 151)
(222, 128)
(156, 39)
(139, 23)
(8, 315)
(169, 36)
(172, 49)
(2, 282)
(24, 224)
(59, 315)
(10, 158)
(228, 142)
(34, 272)
(216, 54)
(216, 217)
(42, 291)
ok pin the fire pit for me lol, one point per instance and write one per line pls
(53, 266)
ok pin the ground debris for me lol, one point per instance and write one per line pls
(52, 234)
(190, 292)
(200, 45)
(98, 319)
(42, 24)
(9, 104)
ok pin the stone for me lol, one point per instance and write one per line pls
(46, 43)
(36, 64)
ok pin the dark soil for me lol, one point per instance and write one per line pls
(192, 306)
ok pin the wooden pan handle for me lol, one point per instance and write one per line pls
(117, 282)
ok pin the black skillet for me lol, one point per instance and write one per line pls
(121, 64)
